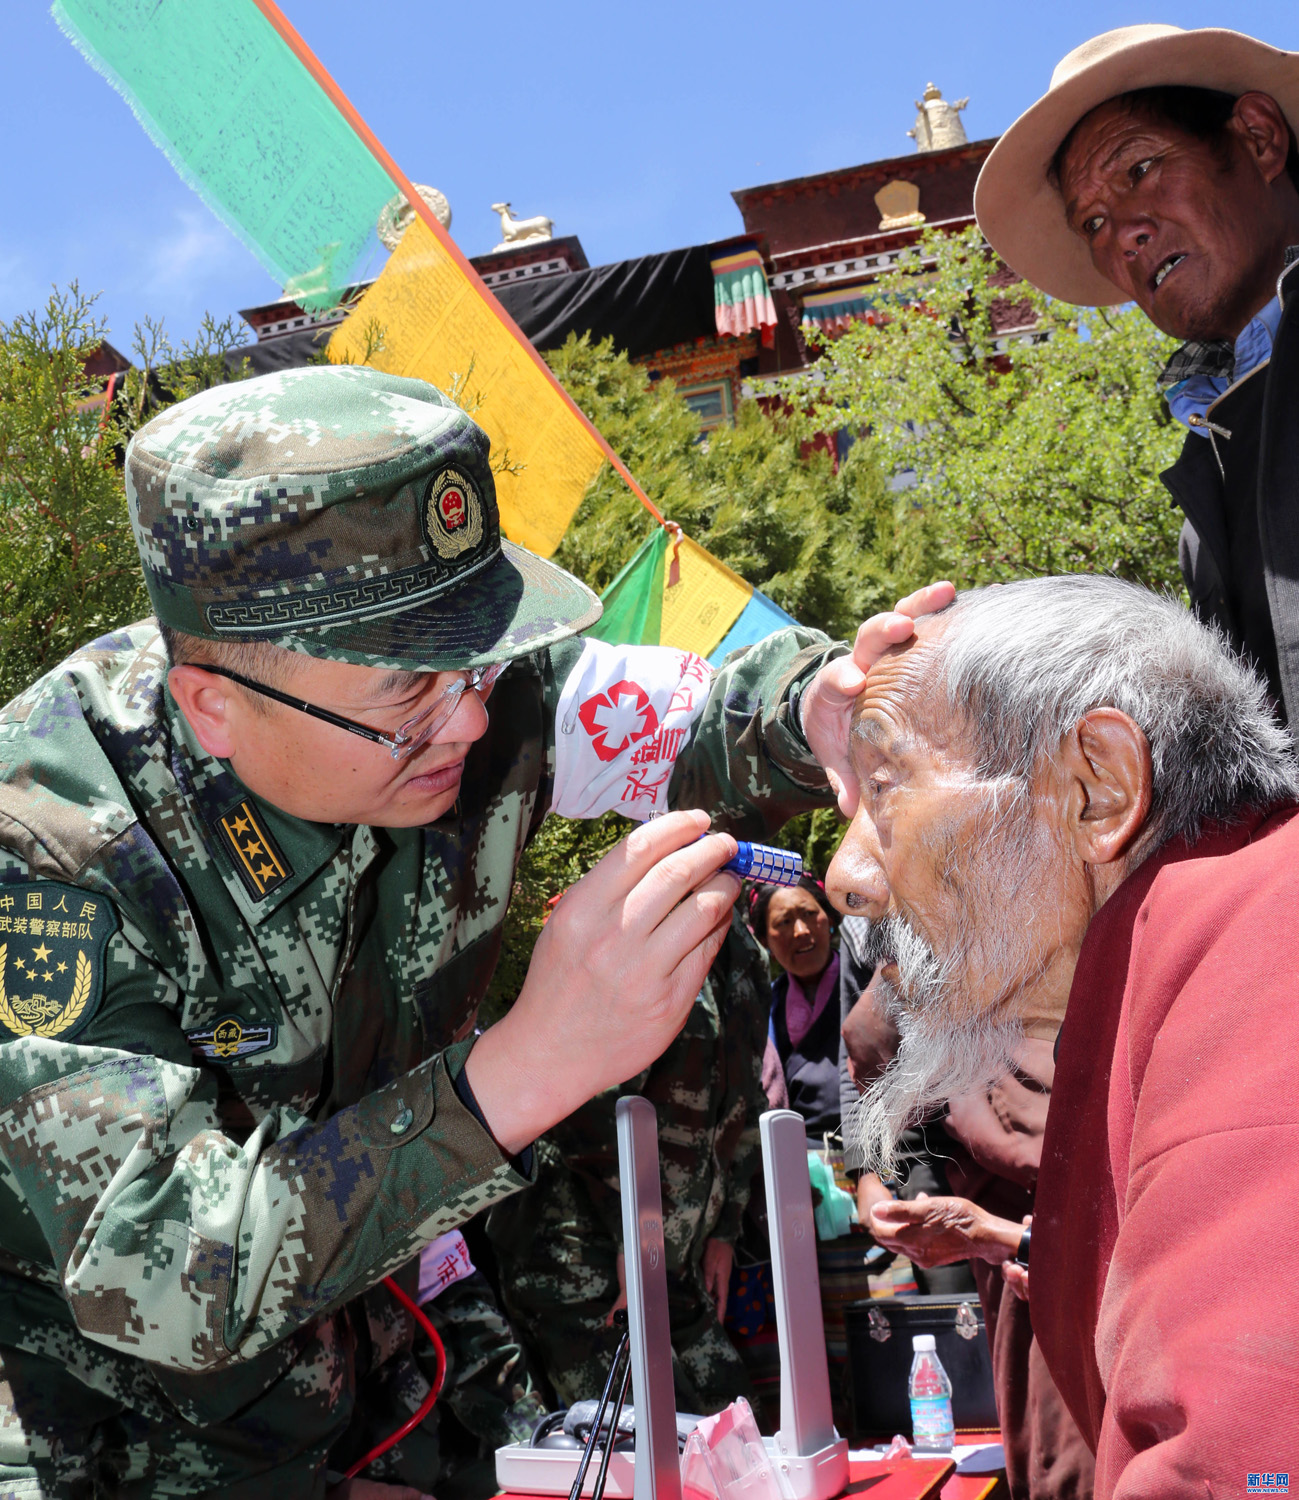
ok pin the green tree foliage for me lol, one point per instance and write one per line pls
(820, 543)
(68, 564)
(166, 374)
(1030, 457)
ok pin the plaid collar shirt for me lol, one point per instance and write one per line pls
(1215, 358)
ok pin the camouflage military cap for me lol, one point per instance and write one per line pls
(343, 513)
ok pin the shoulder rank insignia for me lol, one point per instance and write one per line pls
(230, 1037)
(52, 940)
(257, 857)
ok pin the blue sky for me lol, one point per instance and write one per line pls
(628, 125)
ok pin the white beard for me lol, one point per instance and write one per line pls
(938, 1059)
(944, 1051)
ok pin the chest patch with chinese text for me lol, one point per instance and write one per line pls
(52, 941)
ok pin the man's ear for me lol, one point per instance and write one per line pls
(205, 700)
(1265, 132)
(1106, 761)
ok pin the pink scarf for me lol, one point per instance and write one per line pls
(801, 1014)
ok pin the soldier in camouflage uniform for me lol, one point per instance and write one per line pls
(242, 947)
(488, 1391)
(558, 1243)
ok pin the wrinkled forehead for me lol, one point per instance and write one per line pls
(902, 708)
(1105, 133)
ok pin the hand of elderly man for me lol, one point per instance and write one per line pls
(612, 977)
(937, 1231)
(828, 701)
(870, 1039)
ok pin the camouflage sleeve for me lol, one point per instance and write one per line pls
(747, 762)
(178, 1242)
(739, 1147)
(638, 729)
(588, 1143)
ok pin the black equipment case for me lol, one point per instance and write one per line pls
(879, 1361)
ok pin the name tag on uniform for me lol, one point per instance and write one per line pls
(230, 1037)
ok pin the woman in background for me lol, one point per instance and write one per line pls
(797, 926)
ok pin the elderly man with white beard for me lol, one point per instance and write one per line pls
(1075, 815)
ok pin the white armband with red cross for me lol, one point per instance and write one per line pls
(625, 714)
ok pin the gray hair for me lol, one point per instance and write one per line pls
(1022, 663)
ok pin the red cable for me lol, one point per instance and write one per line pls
(429, 1401)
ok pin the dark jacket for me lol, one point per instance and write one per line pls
(1239, 490)
(811, 1068)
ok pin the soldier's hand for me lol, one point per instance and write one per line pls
(612, 978)
(719, 1257)
(830, 697)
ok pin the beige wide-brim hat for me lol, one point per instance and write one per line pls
(1021, 213)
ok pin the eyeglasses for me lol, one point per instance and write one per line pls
(408, 737)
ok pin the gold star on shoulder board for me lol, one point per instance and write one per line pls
(257, 859)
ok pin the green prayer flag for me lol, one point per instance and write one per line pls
(247, 127)
(633, 602)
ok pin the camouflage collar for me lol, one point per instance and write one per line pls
(266, 855)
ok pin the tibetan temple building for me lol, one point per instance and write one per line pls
(722, 317)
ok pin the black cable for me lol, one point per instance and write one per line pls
(592, 1436)
(598, 1492)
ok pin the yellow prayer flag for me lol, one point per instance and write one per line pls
(702, 606)
(436, 325)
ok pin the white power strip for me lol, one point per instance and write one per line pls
(551, 1471)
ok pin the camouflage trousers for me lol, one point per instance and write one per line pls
(79, 1428)
(559, 1278)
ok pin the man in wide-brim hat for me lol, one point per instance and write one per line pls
(1161, 168)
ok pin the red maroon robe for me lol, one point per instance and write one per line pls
(1165, 1279)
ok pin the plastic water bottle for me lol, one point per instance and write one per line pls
(932, 1428)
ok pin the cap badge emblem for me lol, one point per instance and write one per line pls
(453, 515)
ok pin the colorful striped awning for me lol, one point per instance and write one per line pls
(742, 296)
(833, 310)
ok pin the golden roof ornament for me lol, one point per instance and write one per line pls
(396, 216)
(938, 125)
(899, 205)
(516, 232)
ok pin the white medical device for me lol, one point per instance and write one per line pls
(809, 1457)
(653, 1472)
